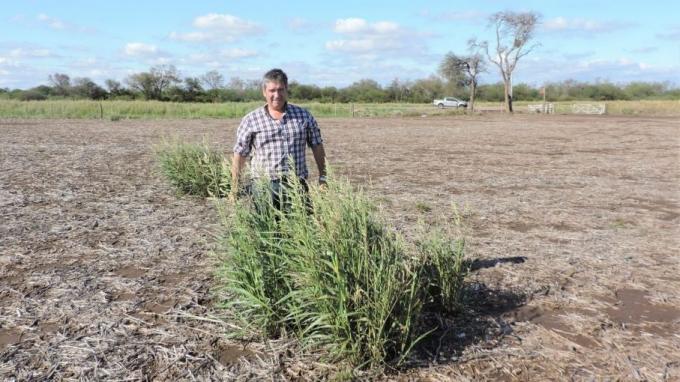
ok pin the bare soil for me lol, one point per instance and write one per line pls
(574, 231)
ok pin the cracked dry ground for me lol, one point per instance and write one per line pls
(106, 274)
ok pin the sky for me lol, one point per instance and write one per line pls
(331, 43)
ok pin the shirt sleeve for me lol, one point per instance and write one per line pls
(313, 132)
(244, 138)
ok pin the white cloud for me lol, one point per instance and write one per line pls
(363, 45)
(644, 50)
(367, 40)
(298, 24)
(147, 53)
(61, 25)
(20, 53)
(357, 25)
(672, 34)
(582, 26)
(538, 70)
(455, 16)
(218, 28)
(385, 27)
(227, 54)
(51, 22)
(225, 22)
(237, 53)
(578, 56)
(198, 37)
(352, 25)
(138, 49)
(91, 63)
(161, 61)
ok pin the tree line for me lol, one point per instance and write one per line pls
(165, 84)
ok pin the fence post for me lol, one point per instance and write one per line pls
(352, 109)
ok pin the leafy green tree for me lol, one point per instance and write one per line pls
(492, 92)
(398, 91)
(116, 89)
(329, 94)
(304, 92)
(32, 95)
(524, 92)
(193, 90)
(645, 90)
(86, 88)
(144, 83)
(152, 84)
(425, 90)
(365, 90)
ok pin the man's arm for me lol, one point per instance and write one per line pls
(320, 158)
(236, 167)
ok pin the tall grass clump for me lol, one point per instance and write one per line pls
(325, 269)
(194, 169)
(444, 268)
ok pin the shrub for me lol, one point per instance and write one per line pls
(336, 278)
(194, 169)
(32, 95)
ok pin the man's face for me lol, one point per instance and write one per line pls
(276, 95)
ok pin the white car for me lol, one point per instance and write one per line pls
(449, 102)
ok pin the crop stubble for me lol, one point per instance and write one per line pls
(574, 221)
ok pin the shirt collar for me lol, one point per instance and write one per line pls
(265, 108)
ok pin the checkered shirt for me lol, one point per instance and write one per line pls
(275, 141)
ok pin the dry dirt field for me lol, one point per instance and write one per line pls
(574, 222)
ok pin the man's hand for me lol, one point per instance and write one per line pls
(236, 166)
(320, 158)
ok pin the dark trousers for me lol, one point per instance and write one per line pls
(279, 192)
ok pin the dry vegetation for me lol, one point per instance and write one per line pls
(574, 219)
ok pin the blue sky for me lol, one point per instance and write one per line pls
(330, 43)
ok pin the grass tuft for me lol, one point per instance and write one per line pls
(324, 269)
(337, 278)
(194, 169)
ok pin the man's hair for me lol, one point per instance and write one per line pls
(275, 75)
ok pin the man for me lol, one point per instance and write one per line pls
(277, 132)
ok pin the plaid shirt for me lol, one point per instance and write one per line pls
(274, 141)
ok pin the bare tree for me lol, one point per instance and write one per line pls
(236, 83)
(473, 65)
(61, 84)
(452, 69)
(513, 32)
(212, 80)
(464, 70)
